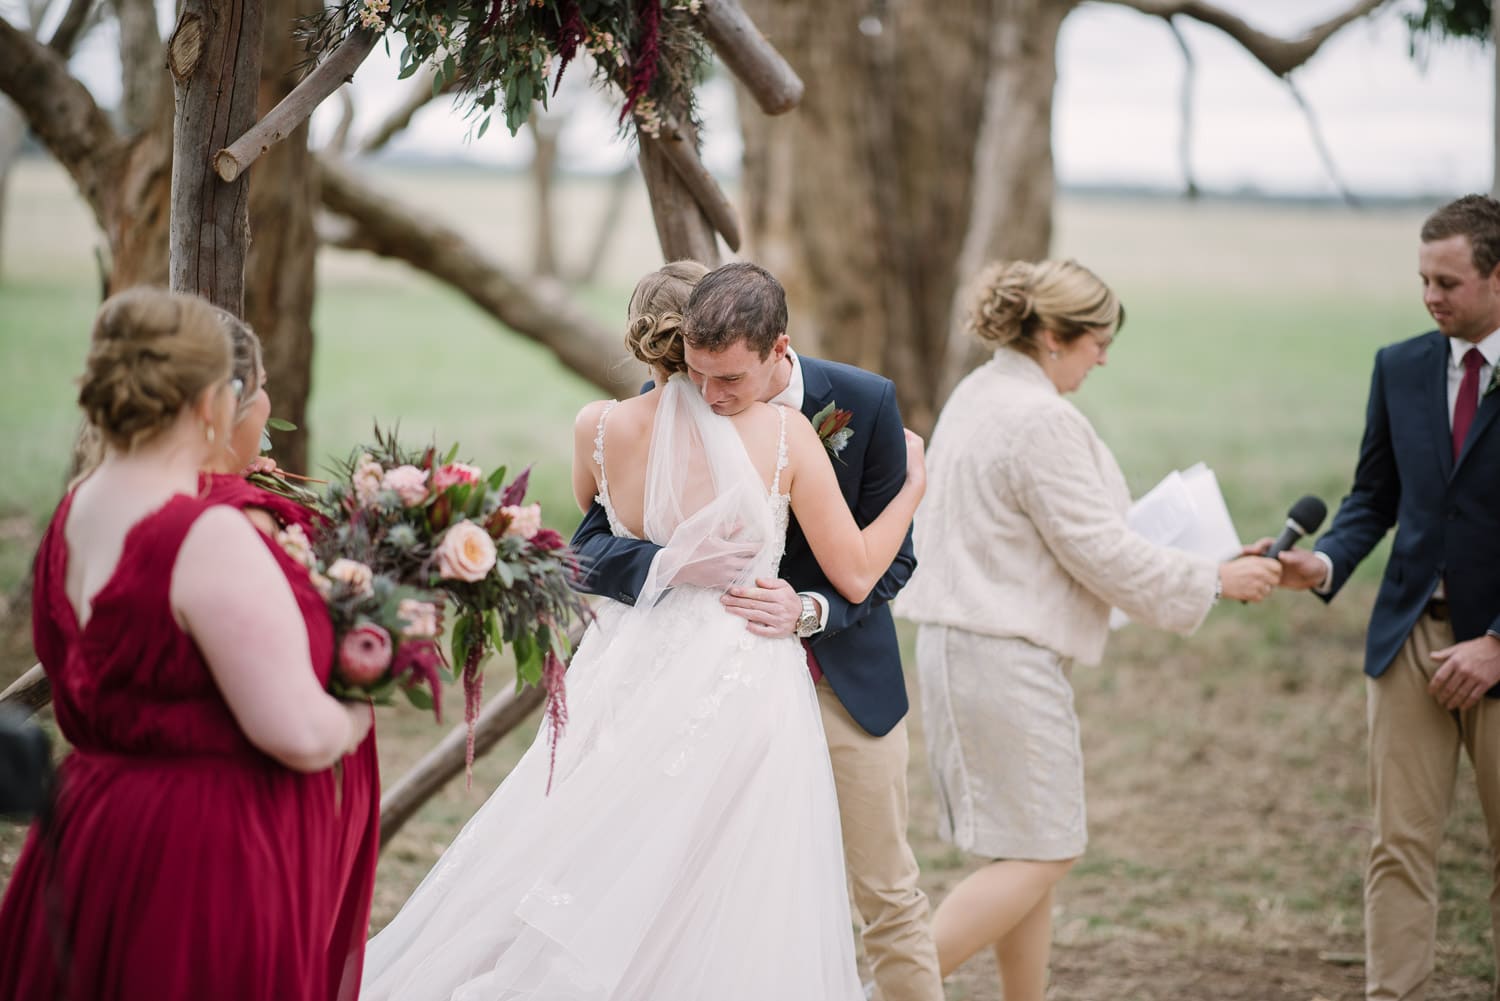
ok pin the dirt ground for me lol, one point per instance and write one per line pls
(1227, 820)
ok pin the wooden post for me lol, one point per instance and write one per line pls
(446, 761)
(28, 693)
(682, 228)
(767, 76)
(214, 54)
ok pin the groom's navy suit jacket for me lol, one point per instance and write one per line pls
(1446, 513)
(857, 650)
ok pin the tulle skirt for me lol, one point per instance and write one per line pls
(689, 847)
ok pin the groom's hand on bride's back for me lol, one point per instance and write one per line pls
(771, 607)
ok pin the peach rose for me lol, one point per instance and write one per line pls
(407, 482)
(452, 475)
(360, 578)
(524, 521)
(364, 654)
(466, 552)
(421, 618)
(295, 543)
(367, 477)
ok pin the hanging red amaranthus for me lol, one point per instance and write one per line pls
(645, 55)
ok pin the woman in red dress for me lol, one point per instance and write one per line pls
(356, 824)
(193, 850)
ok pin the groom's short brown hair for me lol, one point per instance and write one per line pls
(736, 302)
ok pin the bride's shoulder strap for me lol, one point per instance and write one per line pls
(599, 436)
(781, 454)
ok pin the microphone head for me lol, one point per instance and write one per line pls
(1308, 514)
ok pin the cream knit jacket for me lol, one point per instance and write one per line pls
(1022, 531)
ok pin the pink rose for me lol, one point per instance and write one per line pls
(453, 474)
(367, 477)
(524, 521)
(364, 654)
(407, 482)
(466, 552)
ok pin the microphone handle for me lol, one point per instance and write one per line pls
(1286, 540)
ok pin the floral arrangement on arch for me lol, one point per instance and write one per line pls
(506, 53)
(403, 533)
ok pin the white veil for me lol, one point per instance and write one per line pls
(704, 500)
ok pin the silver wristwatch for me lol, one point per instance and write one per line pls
(809, 622)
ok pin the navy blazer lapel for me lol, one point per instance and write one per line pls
(1435, 379)
(817, 390)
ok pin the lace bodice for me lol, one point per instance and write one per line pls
(780, 503)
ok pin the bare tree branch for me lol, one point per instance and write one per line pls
(141, 60)
(1185, 138)
(1279, 55)
(1321, 146)
(767, 76)
(678, 147)
(339, 141)
(294, 109)
(539, 309)
(61, 112)
(71, 27)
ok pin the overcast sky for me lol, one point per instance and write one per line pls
(1393, 127)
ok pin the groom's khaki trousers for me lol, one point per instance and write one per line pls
(1414, 746)
(870, 775)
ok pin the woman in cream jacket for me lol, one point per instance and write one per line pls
(1022, 549)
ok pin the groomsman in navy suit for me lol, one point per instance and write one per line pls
(738, 352)
(1429, 465)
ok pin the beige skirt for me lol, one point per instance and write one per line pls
(1003, 744)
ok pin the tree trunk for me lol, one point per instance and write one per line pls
(141, 75)
(214, 55)
(682, 227)
(280, 272)
(1015, 189)
(544, 137)
(861, 200)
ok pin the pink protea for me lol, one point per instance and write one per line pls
(364, 654)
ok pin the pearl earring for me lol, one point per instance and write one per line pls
(1050, 354)
(208, 432)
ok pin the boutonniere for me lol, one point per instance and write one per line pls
(1494, 381)
(833, 428)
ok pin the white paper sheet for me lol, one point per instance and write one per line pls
(1186, 510)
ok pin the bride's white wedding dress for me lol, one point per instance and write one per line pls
(689, 848)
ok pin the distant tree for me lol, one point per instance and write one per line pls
(1473, 20)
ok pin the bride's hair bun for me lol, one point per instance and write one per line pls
(657, 341)
(654, 335)
(152, 353)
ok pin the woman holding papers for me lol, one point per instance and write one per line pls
(1022, 548)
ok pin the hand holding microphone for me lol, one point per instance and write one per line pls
(1272, 561)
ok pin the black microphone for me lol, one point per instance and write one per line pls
(1303, 519)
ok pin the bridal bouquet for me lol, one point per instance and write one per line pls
(405, 532)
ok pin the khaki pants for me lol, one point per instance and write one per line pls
(1413, 768)
(870, 774)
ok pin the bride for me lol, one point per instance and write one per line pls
(689, 847)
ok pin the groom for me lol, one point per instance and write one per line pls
(737, 352)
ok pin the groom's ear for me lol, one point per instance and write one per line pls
(780, 345)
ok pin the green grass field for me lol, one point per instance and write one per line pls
(1226, 769)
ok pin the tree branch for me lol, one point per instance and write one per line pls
(536, 308)
(1324, 153)
(294, 109)
(768, 77)
(1279, 55)
(70, 28)
(61, 112)
(1185, 140)
(28, 693)
(677, 147)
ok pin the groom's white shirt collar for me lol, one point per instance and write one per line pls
(794, 392)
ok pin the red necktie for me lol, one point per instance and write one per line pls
(1468, 400)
